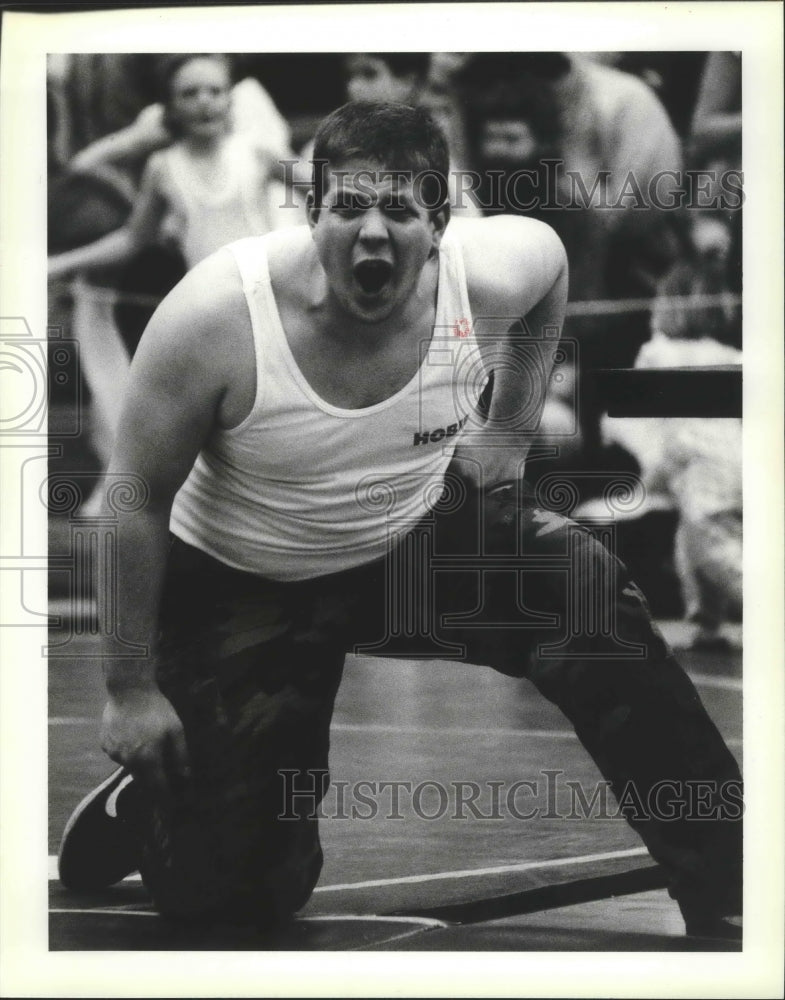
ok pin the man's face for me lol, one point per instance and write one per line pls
(371, 79)
(373, 237)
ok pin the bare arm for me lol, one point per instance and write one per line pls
(119, 246)
(716, 120)
(131, 144)
(517, 273)
(178, 381)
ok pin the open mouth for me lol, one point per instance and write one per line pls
(373, 275)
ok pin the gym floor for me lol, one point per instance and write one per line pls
(518, 872)
(436, 882)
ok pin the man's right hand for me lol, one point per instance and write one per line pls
(141, 730)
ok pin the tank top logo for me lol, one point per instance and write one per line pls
(434, 436)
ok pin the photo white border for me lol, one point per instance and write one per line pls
(27, 968)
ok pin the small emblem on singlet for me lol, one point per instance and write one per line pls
(461, 328)
(432, 437)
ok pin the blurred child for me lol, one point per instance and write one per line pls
(207, 189)
(696, 461)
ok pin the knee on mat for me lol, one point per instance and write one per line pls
(264, 899)
(257, 879)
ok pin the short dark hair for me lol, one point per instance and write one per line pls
(395, 136)
(488, 69)
(171, 64)
(405, 63)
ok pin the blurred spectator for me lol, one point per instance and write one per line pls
(441, 95)
(556, 136)
(695, 462)
(715, 145)
(705, 275)
(604, 127)
(99, 93)
(117, 161)
(386, 76)
(81, 208)
(673, 76)
(715, 134)
(205, 189)
(124, 153)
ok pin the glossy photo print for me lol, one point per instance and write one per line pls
(385, 531)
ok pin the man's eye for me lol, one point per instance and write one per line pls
(351, 204)
(397, 211)
(344, 211)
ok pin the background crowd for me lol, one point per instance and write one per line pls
(633, 158)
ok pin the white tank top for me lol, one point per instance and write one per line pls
(302, 488)
(206, 218)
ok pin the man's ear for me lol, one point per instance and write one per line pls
(439, 218)
(312, 210)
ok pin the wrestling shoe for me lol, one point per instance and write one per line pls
(723, 928)
(98, 847)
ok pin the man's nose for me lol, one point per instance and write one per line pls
(373, 228)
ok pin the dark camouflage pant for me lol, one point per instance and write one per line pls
(253, 666)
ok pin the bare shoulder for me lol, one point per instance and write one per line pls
(185, 377)
(511, 261)
(155, 167)
(202, 326)
(156, 182)
(290, 253)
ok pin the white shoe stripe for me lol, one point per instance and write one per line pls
(111, 802)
